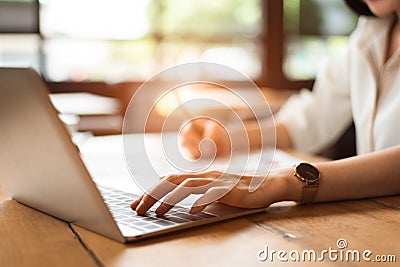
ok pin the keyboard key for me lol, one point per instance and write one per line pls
(118, 210)
(118, 203)
(133, 226)
(187, 216)
(151, 226)
(129, 212)
(175, 219)
(151, 219)
(164, 222)
(136, 223)
(120, 216)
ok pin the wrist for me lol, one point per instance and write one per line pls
(286, 186)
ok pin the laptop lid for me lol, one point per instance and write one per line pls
(40, 166)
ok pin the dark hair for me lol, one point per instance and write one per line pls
(359, 7)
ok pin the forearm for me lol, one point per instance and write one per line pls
(371, 175)
(268, 134)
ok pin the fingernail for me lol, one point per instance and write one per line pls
(140, 208)
(195, 209)
(160, 211)
(134, 204)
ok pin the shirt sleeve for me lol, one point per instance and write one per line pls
(314, 119)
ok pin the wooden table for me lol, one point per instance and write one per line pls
(31, 238)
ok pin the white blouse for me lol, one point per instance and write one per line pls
(359, 86)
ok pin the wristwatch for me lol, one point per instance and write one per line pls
(308, 174)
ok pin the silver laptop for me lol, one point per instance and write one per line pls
(42, 168)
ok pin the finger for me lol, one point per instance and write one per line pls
(188, 187)
(156, 193)
(163, 187)
(197, 126)
(145, 204)
(208, 148)
(189, 139)
(192, 135)
(136, 202)
(211, 195)
(191, 143)
(219, 136)
(193, 129)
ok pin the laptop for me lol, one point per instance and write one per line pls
(42, 168)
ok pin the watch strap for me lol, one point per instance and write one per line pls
(310, 178)
(308, 194)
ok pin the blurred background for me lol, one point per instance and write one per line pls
(108, 48)
(124, 40)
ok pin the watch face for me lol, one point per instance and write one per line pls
(307, 171)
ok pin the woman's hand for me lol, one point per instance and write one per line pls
(251, 135)
(214, 186)
(198, 130)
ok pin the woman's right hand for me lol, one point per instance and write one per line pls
(194, 133)
(230, 189)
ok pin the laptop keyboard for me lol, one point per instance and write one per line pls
(119, 204)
